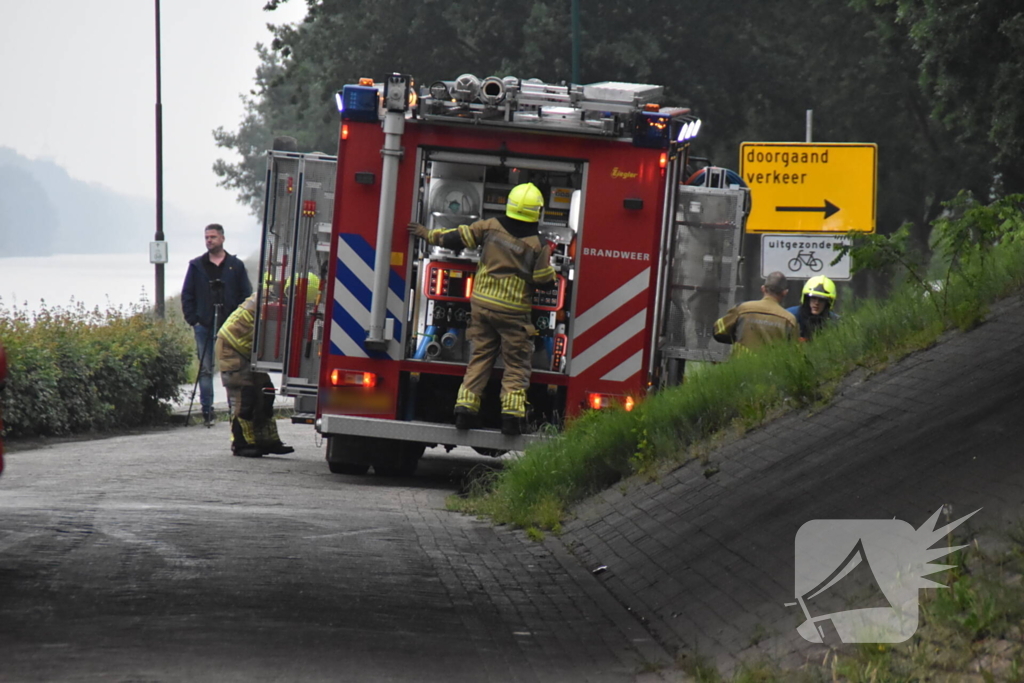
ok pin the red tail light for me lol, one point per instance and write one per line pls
(348, 378)
(599, 401)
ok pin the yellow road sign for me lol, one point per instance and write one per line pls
(810, 187)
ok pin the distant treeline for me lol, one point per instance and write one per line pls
(44, 211)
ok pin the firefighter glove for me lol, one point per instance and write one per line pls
(417, 230)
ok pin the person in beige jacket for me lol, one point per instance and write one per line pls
(753, 324)
(513, 263)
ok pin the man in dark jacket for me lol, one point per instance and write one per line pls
(215, 284)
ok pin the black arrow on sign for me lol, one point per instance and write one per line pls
(828, 209)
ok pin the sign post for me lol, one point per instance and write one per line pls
(810, 187)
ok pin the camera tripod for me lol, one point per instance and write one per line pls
(217, 290)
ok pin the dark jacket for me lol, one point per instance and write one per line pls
(809, 324)
(197, 299)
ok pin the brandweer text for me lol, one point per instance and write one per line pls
(615, 253)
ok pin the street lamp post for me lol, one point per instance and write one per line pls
(160, 257)
(575, 41)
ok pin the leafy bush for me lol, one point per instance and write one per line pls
(75, 370)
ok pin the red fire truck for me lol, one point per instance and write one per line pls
(367, 326)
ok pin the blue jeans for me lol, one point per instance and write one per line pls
(204, 351)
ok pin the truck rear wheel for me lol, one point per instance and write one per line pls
(347, 468)
(344, 458)
(398, 458)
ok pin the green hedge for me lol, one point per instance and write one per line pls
(74, 370)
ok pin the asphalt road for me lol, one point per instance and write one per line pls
(159, 557)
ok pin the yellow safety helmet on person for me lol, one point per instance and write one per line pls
(820, 287)
(312, 286)
(525, 202)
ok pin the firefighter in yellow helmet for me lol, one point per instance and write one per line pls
(312, 286)
(512, 264)
(815, 308)
(253, 430)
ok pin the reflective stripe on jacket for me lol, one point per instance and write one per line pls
(237, 329)
(509, 266)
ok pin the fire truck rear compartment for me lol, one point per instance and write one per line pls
(458, 188)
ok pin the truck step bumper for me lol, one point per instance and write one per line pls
(425, 432)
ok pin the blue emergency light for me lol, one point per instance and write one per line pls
(358, 103)
(651, 129)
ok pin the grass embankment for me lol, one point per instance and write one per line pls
(979, 258)
(73, 370)
(970, 632)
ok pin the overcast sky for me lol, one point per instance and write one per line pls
(78, 87)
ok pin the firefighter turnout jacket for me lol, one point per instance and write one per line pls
(753, 324)
(251, 394)
(512, 261)
(237, 330)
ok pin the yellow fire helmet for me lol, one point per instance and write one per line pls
(524, 203)
(312, 285)
(822, 288)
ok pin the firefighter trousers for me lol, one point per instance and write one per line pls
(252, 401)
(491, 332)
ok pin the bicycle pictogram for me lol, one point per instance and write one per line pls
(806, 258)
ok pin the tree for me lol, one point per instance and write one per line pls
(750, 69)
(971, 60)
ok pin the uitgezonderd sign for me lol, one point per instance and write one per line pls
(810, 187)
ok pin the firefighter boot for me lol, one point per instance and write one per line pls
(465, 418)
(243, 439)
(467, 409)
(513, 410)
(511, 425)
(269, 441)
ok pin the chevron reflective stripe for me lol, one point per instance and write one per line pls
(353, 292)
(610, 303)
(611, 341)
(632, 366)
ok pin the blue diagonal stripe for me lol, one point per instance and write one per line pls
(362, 248)
(351, 327)
(348, 280)
(346, 277)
